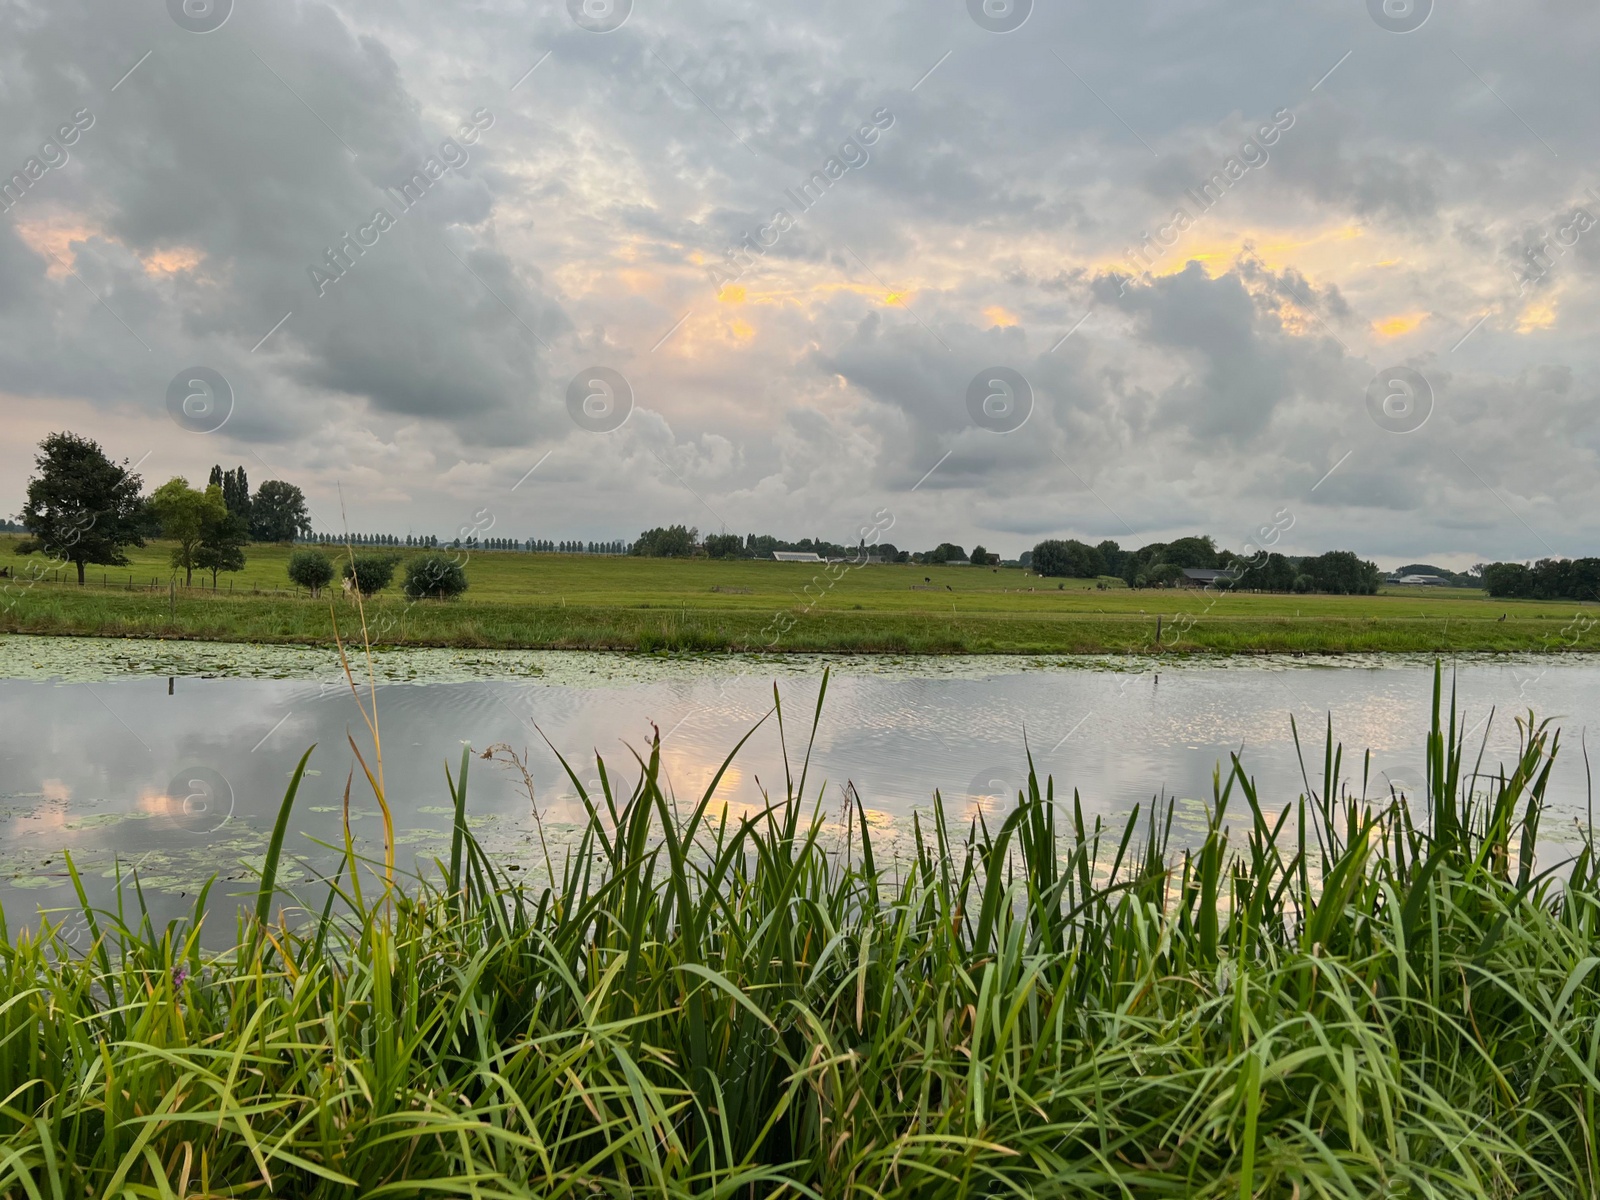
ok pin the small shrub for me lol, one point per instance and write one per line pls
(310, 569)
(371, 572)
(434, 577)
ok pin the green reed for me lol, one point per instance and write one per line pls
(1348, 996)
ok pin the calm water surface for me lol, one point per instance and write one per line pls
(180, 774)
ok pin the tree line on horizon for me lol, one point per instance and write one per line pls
(1546, 579)
(1340, 572)
(84, 509)
(1160, 564)
(1163, 564)
(1157, 564)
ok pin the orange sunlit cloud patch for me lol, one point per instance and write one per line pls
(1540, 315)
(997, 315)
(1399, 324)
(1274, 249)
(1213, 259)
(172, 261)
(52, 239)
(802, 295)
(1289, 248)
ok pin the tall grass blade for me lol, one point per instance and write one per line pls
(280, 829)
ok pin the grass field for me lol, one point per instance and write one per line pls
(595, 602)
(1336, 997)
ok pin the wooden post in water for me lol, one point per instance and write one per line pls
(1158, 631)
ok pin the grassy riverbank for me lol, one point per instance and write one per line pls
(1326, 996)
(532, 601)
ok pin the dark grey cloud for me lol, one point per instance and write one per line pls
(257, 148)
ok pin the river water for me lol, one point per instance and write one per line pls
(172, 758)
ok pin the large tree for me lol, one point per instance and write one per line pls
(82, 508)
(1274, 573)
(1199, 553)
(1342, 573)
(1111, 555)
(223, 534)
(235, 491)
(945, 552)
(278, 513)
(1070, 558)
(187, 515)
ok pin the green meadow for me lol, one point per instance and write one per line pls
(532, 601)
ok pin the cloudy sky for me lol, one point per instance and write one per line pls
(1129, 270)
